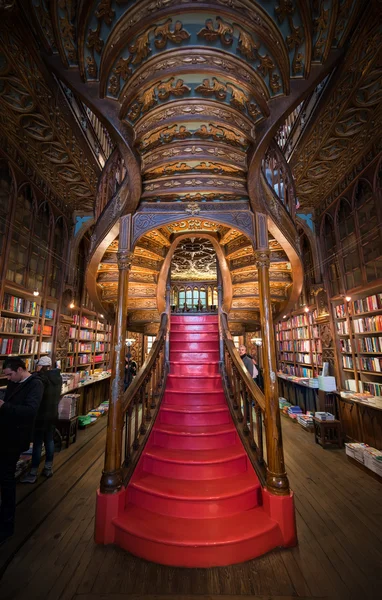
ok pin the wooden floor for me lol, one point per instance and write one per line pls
(339, 518)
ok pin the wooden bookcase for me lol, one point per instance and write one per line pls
(358, 328)
(298, 343)
(27, 326)
(89, 342)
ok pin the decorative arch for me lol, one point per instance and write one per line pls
(225, 273)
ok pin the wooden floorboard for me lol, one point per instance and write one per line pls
(339, 520)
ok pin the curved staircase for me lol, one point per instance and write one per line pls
(194, 499)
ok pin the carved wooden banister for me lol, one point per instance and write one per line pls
(139, 406)
(251, 412)
(110, 180)
(142, 398)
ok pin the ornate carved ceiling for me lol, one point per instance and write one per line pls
(194, 260)
(38, 125)
(350, 121)
(193, 80)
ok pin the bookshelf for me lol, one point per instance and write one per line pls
(27, 324)
(358, 327)
(89, 344)
(299, 346)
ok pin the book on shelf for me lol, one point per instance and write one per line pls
(345, 345)
(372, 364)
(17, 346)
(347, 362)
(340, 311)
(302, 345)
(14, 325)
(370, 344)
(300, 320)
(368, 324)
(342, 328)
(45, 347)
(48, 313)
(20, 305)
(46, 330)
(368, 304)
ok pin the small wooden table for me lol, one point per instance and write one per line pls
(68, 429)
(327, 433)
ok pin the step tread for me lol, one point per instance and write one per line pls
(177, 531)
(197, 430)
(197, 408)
(210, 489)
(196, 457)
(188, 392)
(215, 376)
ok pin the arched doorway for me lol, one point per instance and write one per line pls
(193, 276)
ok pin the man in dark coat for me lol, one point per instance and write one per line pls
(46, 419)
(18, 411)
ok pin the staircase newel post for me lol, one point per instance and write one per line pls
(111, 480)
(277, 480)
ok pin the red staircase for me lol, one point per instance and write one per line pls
(194, 499)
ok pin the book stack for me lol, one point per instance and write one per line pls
(325, 416)
(294, 411)
(67, 408)
(356, 450)
(327, 383)
(19, 305)
(373, 460)
(306, 421)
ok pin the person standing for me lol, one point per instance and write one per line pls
(46, 419)
(18, 411)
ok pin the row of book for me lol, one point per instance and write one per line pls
(347, 362)
(367, 324)
(83, 359)
(11, 325)
(368, 304)
(284, 325)
(300, 321)
(342, 328)
(298, 371)
(288, 356)
(20, 305)
(370, 364)
(345, 345)
(49, 313)
(46, 330)
(302, 333)
(370, 344)
(340, 311)
(17, 346)
(284, 336)
(303, 358)
(371, 387)
(46, 347)
(84, 322)
(302, 345)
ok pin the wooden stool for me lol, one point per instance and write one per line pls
(68, 429)
(327, 433)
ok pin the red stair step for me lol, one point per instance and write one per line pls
(193, 437)
(194, 319)
(183, 336)
(194, 415)
(189, 398)
(194, 346)
(185, 368)
(197, 542)
(193, 382)
(194, 499)
(191, 328)
(197, 356)
(194, 464)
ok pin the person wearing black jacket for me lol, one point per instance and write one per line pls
(18, 411)
(46, 419)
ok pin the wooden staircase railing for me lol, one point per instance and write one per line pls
(138, 408)
(252, 415)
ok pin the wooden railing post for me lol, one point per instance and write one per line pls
(111, 480)
(277, 480)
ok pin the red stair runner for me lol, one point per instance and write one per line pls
(194, 499)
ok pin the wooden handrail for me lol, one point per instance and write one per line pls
(147, 366)
(246, 401)
(251, 386)
(141, 400)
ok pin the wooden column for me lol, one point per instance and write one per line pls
(111, 480)
(277, 480)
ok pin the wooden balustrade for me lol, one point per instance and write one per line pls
(249, 409)
(111, 178)
(141, 400)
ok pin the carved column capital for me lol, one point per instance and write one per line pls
(262, 258)
(124, 260)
